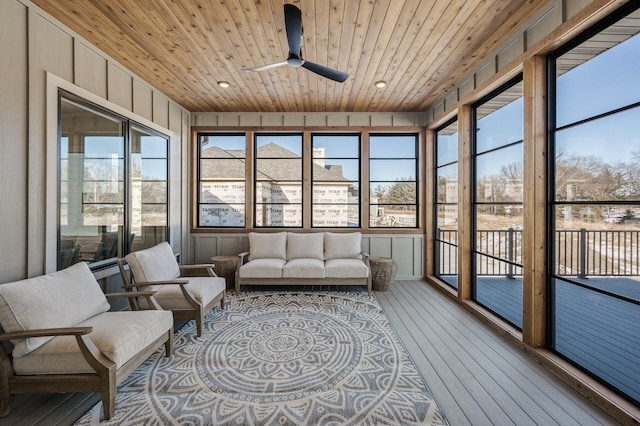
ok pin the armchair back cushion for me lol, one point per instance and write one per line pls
(157, 263)
(342, 246)
(305, 246)
(57, 300)
(267, 246)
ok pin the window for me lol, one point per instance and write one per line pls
(595, 208)
(498, 202)
(305, 179)
(112, 185)
(336, 180)
(148, 186)
(446, 203)
(278, 180)
(393, 171)
(222, 180)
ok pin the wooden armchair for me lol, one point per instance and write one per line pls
(66, 340)
(156, 269)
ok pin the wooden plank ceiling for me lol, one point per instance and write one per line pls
(184, 47)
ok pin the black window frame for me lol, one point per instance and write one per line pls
(474, 202)
(358, 182)
(551, 200)
(416, 181)
(127, 125)
(256, 159)
(199, 180)
(437, 204)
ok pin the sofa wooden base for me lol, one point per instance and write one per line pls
(303, 281)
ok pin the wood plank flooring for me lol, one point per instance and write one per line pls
(476, 376)
(597, 331)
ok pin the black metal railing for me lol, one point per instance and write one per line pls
(446, 252)
(579, 252)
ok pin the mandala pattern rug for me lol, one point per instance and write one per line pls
(280, 358)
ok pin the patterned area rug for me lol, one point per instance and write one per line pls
(280, 358)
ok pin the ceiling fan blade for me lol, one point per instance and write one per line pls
(329, 73)
(266, 67)
(293, 26)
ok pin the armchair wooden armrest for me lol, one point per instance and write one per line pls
(207, 266)
(133, 294)
(181, 282)
(197, 266)
(100, 364)
(168, 282)
(243, 258)
(45, 332)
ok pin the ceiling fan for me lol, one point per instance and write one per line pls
(293, 26)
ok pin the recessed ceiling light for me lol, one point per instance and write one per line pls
(223, 84)
(380, 84)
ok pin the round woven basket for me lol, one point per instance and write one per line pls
(383, 272)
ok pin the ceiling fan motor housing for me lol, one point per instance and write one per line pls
(294, 61)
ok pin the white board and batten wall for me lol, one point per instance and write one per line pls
(406, 249)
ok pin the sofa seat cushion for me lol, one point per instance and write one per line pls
(157, 263)
(267, 245)
(301, 245)
(262, 268)
(203, 289)
(56, 300)
(342, 246)
(346, 268)
(303, 268)
(118, 335)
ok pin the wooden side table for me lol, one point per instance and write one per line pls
(225, 267)
(383, 272)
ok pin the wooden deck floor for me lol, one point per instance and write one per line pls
(598, 332)
(475, 375)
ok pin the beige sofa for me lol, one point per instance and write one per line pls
(66, 340)
(320, 258)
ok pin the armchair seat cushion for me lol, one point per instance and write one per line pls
(303, 268)
(203, 289)
(262, 268)
(346, 268)
(118, 335)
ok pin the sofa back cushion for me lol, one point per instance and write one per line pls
(267, 245)
(305, 246)
(157, 263)
(57, 300)
(342, 246)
